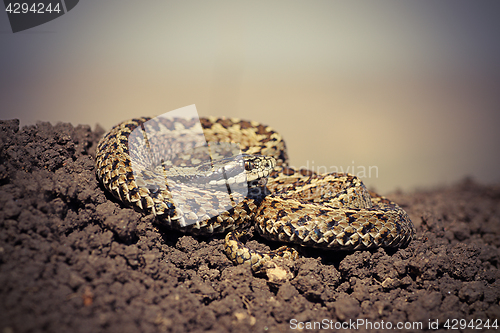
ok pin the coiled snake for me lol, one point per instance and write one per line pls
(332, 211)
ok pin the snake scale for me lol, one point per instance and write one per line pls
(333, 211)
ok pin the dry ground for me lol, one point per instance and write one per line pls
(72, 259)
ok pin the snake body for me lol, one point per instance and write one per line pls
(332, 211)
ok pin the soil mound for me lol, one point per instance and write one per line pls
(72, 259)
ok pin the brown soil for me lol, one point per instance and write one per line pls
(72, 259)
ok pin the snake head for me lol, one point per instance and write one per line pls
(258, 166)
(242, 170)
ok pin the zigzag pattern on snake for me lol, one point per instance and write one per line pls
(332, 211)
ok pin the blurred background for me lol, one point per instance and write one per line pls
(409, 92)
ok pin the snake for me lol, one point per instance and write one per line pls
(217, 175)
